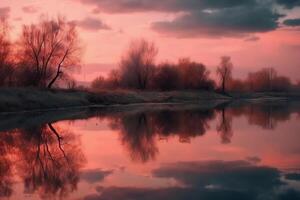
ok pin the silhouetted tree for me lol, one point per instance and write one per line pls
(99, 83)
(237, 85)
(224, 71)
(267, 79)
(261, 80)
(113, 80)
(167, 77)
(194, 75)
(47, 50)
(137, 66)
(6, 67)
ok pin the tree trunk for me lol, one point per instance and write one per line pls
(223, 86)
(54, 79)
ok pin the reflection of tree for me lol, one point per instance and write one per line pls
(265, 115)
(5, 165)
(139, 130)
(47, 159)
(184, 124)
(137, 135)
(224, 128)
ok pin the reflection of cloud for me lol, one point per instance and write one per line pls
(228, 180)
(235, 175)
(95, 175)
(293, 176)
(131, 193)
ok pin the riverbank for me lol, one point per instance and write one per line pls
(28, 99)
(24, 99)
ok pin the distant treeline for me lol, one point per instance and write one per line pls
(45, 54)
(137, 70)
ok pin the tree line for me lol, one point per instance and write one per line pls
(137, 70)
(45, 54)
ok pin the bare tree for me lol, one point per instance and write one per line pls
(99, 83)
(137, 66)
(167, 77)
(266, 79)
(194, 75)
(6, 68)
(49, 49)
(224, 71)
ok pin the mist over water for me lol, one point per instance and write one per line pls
(219, 151)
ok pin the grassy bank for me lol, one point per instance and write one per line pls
(25, 99)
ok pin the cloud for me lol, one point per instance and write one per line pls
(128, 6)
(228, 22)
(4, 12)
(288, 3)
(91, 24)
(95, 175)
(205, 18)
(30, 9)
(292, 22)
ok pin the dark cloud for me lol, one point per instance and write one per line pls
(292, 22)
(95, 175)
(125, 6)
(91, 24)
(289, 3)
(210, 18)
(293, 176)
(4, 12)
(30, 9)
(230, 22)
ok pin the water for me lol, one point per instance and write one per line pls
(208, 151)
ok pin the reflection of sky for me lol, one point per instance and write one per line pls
(277, 149)
(256, 163)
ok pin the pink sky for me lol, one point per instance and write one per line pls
(107, 27)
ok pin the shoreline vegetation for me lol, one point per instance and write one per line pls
(33, 99)
(42, 59)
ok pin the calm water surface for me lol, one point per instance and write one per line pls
(236, 151)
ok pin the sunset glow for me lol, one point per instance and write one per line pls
(107, 27)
